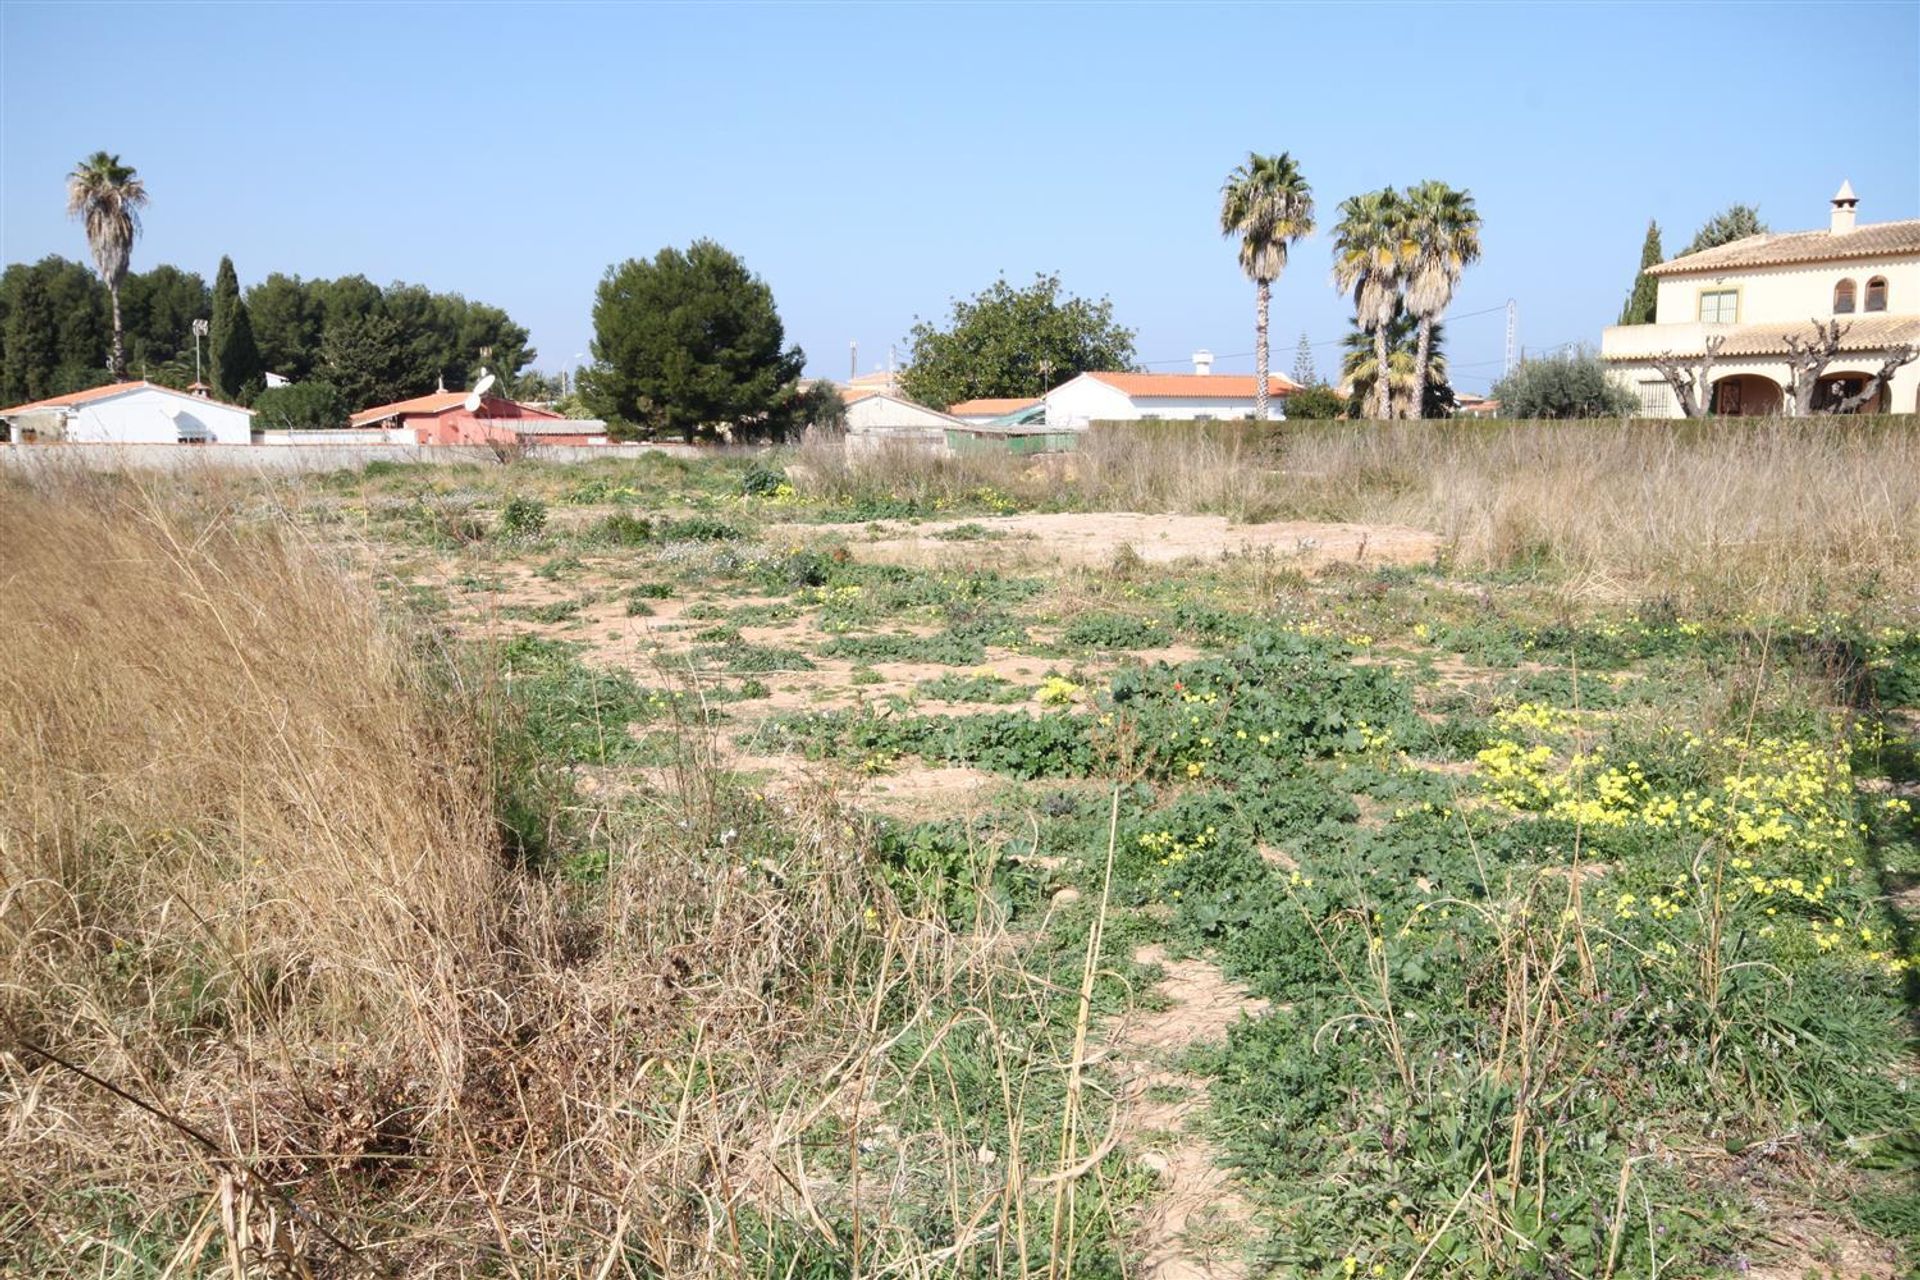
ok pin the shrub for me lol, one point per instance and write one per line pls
(523, 517)
(698, 529)
(761, 481)
(300, 406)
(1315, 403)
(621, 530)
(1573, 384)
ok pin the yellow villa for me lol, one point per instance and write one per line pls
(1763, 296)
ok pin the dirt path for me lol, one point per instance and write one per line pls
(1195, 1228)
(1092, 538)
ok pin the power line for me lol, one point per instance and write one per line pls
(1328, 342)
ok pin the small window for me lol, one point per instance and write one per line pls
(1877, 294)
(1656, 399)
(1720, 306)
(1843, 298)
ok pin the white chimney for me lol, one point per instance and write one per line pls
(1844, 202)
(1203, 362)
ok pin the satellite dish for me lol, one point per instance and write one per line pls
(480, 389)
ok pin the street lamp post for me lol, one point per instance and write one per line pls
(200, 328)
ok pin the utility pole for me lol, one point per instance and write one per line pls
(1513, 333)
(853, 361)
(200, 328)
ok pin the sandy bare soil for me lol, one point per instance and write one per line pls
(1194, 1227)
(1093, 538)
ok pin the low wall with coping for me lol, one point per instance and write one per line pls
(297, 458)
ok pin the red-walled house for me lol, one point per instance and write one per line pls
(443, 418)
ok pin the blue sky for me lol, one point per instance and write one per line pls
(873, 161)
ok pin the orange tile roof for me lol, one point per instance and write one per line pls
(992, 406)
(1870, 240)
(854, 395)
(1861, 333)
(438, 402)
(73, 398)
(1194, 386)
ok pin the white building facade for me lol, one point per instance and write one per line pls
(1756, 293)
(875, 419)
(130, 413)
(1144, 397)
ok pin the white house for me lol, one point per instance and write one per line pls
(1757, 293)
(131, 413)
(875, 418)
(1192, 397)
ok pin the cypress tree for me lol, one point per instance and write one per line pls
(236, 358)
(1642, 303)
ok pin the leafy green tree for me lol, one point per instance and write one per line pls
(160, 307)
(1643, 302)
(31, 349)
(1572, 384)
(689, 343)
(1359, 368)
(363, 358)
(1303, 371)
(107, 197)
(301, 405)
(1005, 341)
(288, 320)
(1316, 402)
(1370, 262)
(1735, 222)
(1445, 241)
(55, 326)
(236, 370)
(821, 405)
(1266, 204)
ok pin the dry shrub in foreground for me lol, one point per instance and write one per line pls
(1777, 514)
(277, 997)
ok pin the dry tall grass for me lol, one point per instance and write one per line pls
(1746, 514)
(277, 1000)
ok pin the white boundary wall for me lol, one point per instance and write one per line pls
(297, 458)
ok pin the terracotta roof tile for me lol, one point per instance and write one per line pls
(438, 402)
(1194, 386)
(1862, 333)
(992, 406)
(1873, 240)
(73, 398)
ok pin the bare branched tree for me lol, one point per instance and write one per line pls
(1692, 383)
(1807, 359)
(1897, 357)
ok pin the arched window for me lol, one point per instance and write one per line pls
(1877, 294)
(1843, 298)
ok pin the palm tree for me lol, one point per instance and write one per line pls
(107, 196)
(1268, 205)
(1446, 241)
(1359, 368)
(1370, 254)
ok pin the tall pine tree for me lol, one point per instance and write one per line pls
(1641, 303)
(1303, 371)
(236, 371)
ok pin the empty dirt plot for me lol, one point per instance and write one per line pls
(806, 804)
(1095, 538)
